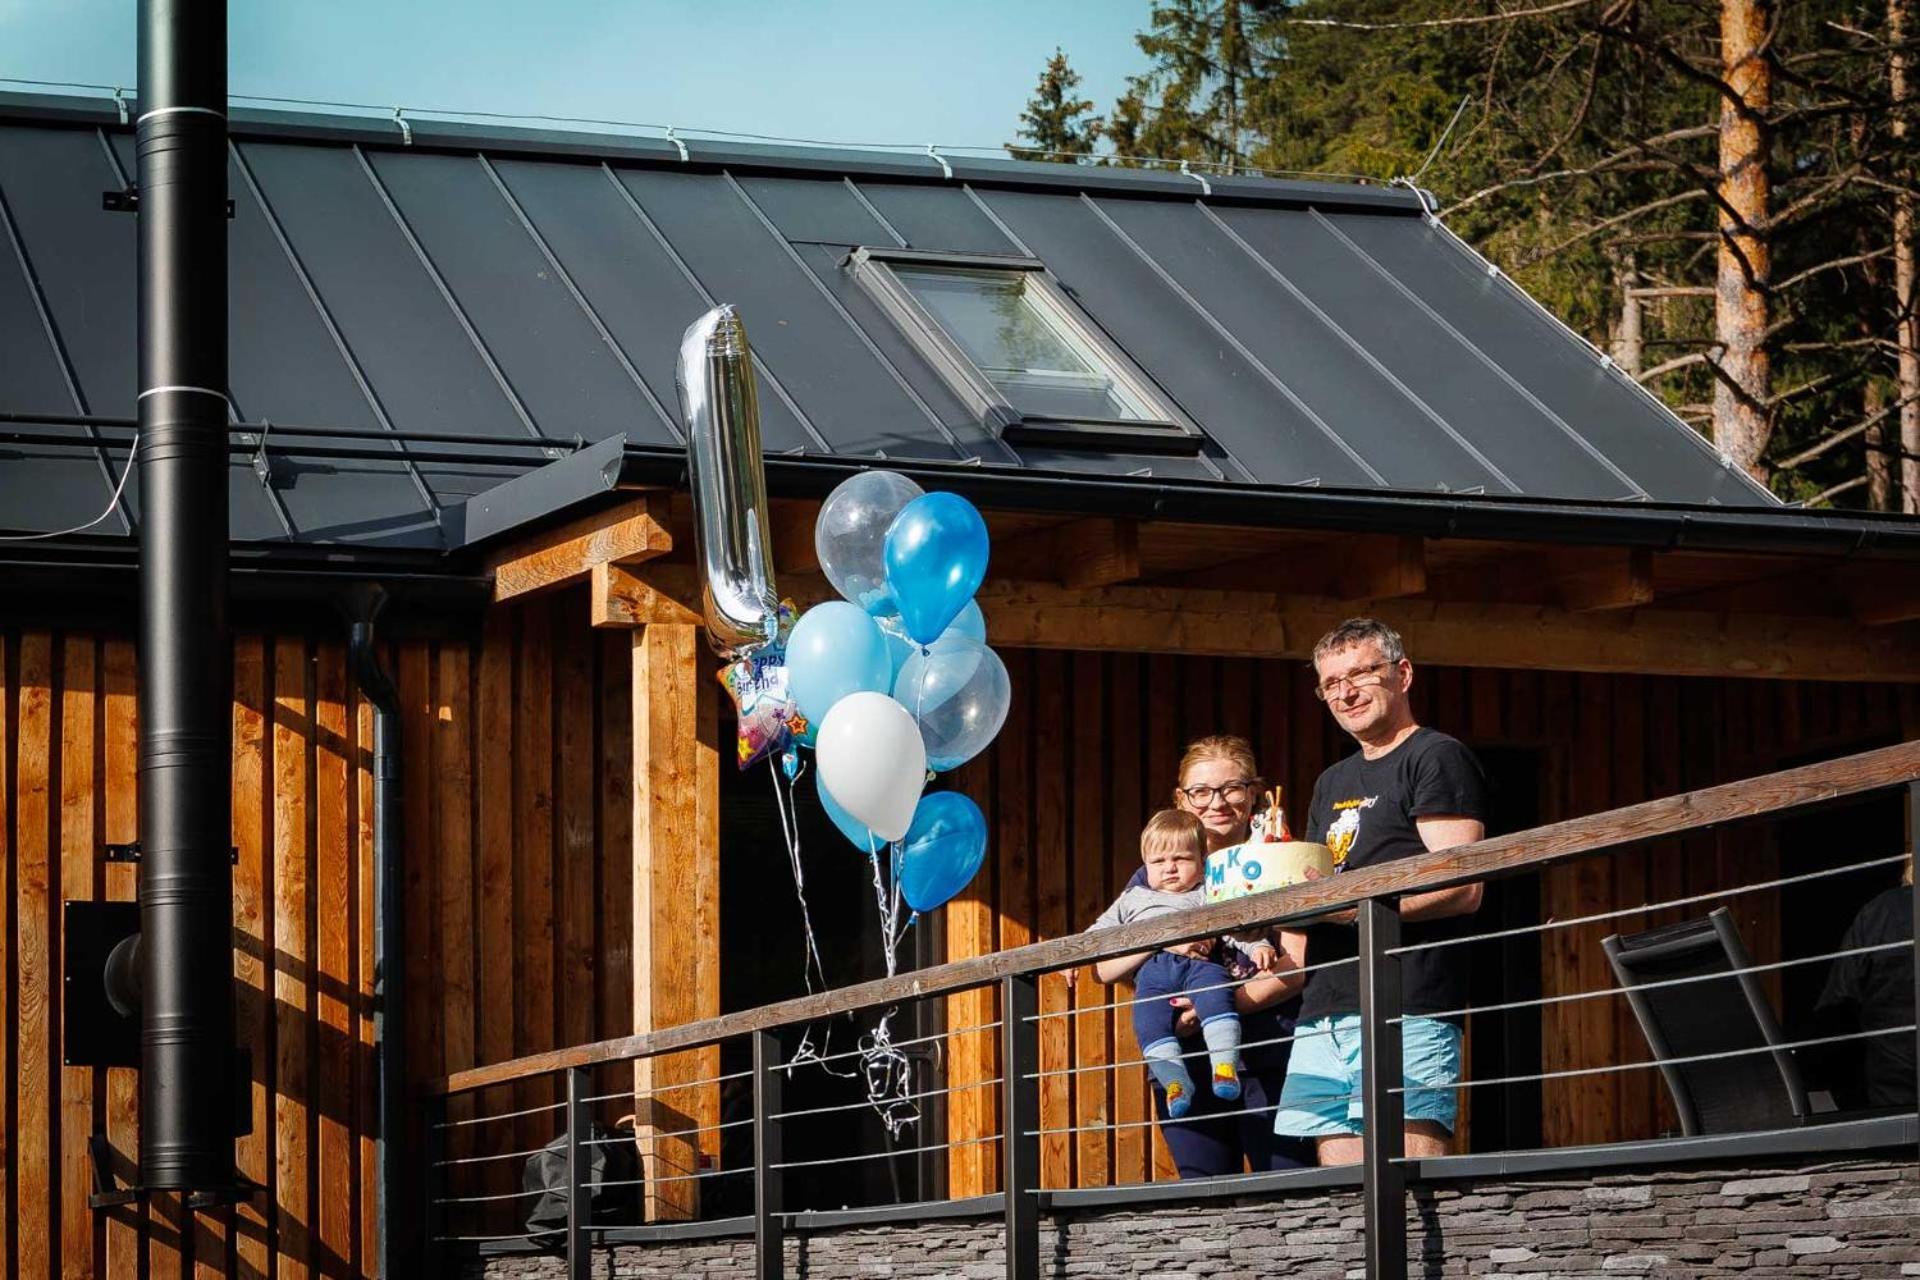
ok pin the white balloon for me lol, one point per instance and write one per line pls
(873, 762)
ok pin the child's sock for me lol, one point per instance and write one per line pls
(1222, 1035)
(1163, 1060)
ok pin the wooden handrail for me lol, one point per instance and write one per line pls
(1499, 856)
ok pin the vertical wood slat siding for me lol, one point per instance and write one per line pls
(303, 916)
(1604, 741)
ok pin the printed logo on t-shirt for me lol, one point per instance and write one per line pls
(1346, 828)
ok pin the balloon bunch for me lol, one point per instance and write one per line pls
(891, 682)
(896, 679)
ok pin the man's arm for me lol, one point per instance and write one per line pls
(1441, 832)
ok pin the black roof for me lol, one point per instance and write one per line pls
(459, 305)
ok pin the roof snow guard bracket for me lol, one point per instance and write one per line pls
(1206, 188)
(406, 129)
(945, 168)
(127, 200)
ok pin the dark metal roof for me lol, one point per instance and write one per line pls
(476, 299)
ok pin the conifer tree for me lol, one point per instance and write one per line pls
(1056, 124)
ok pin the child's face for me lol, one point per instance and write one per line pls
(1173, 868)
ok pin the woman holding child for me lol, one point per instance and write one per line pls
(1224, 1122)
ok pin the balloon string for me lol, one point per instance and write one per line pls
(810, 962)
(889, 1072)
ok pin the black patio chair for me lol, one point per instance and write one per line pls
(1761, 1089)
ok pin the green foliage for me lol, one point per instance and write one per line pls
(1056, 123)
(1584, 163)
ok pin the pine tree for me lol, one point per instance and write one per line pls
(1056, 123)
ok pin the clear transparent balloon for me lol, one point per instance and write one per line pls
(850, 536)
(958, 692)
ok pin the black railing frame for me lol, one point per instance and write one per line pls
(1384, 1166)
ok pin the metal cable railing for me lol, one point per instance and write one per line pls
(1020, 1088)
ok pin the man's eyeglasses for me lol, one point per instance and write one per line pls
(1359, 678)
(1201, 795)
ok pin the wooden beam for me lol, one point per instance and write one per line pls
(1092, 552)
(1532, 637)
(1623, 580)
(793, 548)
(620, 598)
(676, 917)
(1353, 567)
(627, 534)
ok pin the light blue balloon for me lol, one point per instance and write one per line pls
(958, 692)
(971, 625)
(936, 556)
(835, 650)
(943, 849)
(851, 827)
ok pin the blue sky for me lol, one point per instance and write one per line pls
(889, 71)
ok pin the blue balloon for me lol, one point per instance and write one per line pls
(971, 624)
(851, 827)
(936, 559)
(835, 650)
(943, 849)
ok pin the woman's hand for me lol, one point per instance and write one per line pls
(1188, 1023)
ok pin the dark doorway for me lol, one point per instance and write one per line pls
(1507, 1042)
(764, 957)
(1814, 915)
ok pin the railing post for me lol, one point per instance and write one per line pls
(1019, 1119)
(1913, 854)
(1384, 1139)
(433, 1183)
(579, 1194)
(769, 1245)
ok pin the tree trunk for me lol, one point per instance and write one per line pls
(1629, 342)
(1873, 400)
(1906, 330)
(1741, 394)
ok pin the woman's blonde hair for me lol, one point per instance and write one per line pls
(1230, 747)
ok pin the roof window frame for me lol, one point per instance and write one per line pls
(1170, 431)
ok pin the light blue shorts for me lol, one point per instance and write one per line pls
(1321, 1098)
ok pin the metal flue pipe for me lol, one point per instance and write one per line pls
(187, 1106)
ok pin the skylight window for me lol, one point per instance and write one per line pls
(1013, 345)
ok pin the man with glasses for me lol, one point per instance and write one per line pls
(1408, 790)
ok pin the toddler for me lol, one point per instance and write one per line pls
(1173, 845)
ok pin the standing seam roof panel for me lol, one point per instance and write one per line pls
(1533, 452)
(1541, 355)
(631, 283)
(545, 346)
(843, 390)
(1379, 420)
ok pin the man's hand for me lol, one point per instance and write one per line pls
(1198, 949)
(1347, 916)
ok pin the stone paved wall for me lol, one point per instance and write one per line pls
(1822, 1222)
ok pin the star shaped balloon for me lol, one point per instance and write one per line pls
(757, 683)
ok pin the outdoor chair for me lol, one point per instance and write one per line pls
(1754, 1090)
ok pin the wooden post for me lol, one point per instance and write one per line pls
(1384, 1140)
(676, 905)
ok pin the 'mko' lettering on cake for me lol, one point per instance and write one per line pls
(1258, 866)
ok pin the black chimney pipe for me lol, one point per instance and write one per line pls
(186, 678)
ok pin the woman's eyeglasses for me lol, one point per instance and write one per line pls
(1201, 795)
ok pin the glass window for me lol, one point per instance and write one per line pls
(1016, 335)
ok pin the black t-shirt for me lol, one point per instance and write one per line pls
(1364, 811)
(1877, 990)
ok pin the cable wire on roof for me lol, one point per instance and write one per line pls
(113, 503)
(995, 150)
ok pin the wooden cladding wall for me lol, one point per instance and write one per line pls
(516, 776)
(1091, 746)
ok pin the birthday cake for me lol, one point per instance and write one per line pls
(1260, 865)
